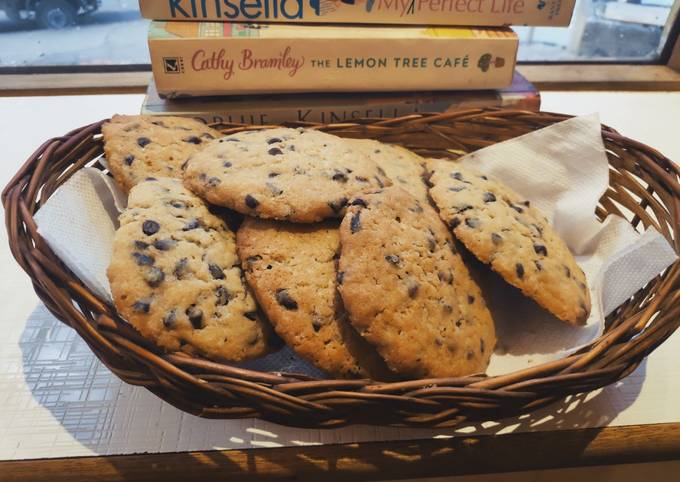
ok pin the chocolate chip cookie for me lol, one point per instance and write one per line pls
(292, 271)
(294, 175)
(403, 167)
(175, 276)
(407, 290)
(503, 230)
(137, 147)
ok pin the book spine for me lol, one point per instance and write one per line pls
(233, 65)
(271, 113)
(553, 13)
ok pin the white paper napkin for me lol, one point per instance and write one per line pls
(562, 169)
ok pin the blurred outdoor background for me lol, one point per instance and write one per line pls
(114, 34)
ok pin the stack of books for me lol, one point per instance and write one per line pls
(272, 61)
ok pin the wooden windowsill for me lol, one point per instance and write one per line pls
(545, 77)
(373, 461)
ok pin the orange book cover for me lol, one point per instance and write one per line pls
(212, 58)
(554, 13)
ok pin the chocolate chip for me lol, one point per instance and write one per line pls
(393, 259)
(222, 296)
(129, 160)
(463, 208)
(184, 164)
(192, 140)
(539, 266)
(274, 174)
(317, 323)
(359, 202)
(338, 205)
(355, 223)
(567, 271)
(431, 244)
(413, 288)
(275, 151)
(540, 249)
(457, 176)
(417, 208)
(527, 203)
(340, 177)
(361, 178)
(215, 271)
(471, 299)
(252, 260)
(164, 244)
(169, 319)
(496, 238)
(230, 139)
(251, 315)
(143, 259)
(191, 225)
(141, 245)
(472, 222)
(276, 191)
(489, 197)
(516, 208)
(159, 124)
(178, 204)
(143, 142)
(445, 277)
(519, 269)
(481, 346)
(285, 300)
(227, 164)
(251, 202)
(213, 182)
(142, 306)
(273, 140)
(484, 177)
(150, 227)
(154, 277)
(195, 316)
(459, 323)
(454, 223)
(457, 188)
(180, 268)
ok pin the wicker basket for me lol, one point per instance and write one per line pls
(644, 187)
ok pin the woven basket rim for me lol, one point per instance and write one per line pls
(225, 391)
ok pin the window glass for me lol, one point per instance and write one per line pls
(99, 32)
(604, 30)
(111, 32)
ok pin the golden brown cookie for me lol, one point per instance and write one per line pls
(138, 147)
(407, 290)
(503, 230)
(175, 276)
(292, 271)
(403, 167)
(286, 174)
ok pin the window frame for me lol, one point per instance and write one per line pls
(580, 75)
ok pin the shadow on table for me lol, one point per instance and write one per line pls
(108, 417)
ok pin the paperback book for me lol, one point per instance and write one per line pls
(213, 58)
